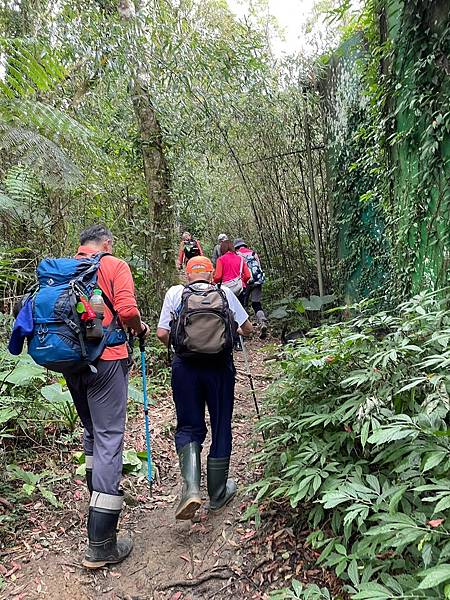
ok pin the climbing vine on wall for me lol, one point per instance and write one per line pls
(387, 95)
(416, 93)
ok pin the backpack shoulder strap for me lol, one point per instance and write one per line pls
(223, 296)
(109, 304)
(98, 257)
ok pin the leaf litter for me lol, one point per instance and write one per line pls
(216, 557)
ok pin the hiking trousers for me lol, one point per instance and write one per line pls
(101, 402)
(253, 293)
(199, 385)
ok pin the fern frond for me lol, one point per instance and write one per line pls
(21, 198)
(8, 205)
(47, 160)
(40, 135)
(29, 66)
(52, 123)
(21, 185)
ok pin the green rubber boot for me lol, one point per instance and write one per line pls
(190, 471)
(221, 490)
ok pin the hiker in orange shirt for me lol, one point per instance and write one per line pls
(101, 401)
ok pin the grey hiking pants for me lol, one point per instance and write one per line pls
(101, 402)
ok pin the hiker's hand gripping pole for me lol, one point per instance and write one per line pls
(146, 415)
(249, 375)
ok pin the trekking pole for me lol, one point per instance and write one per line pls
(249, 375)
(146, 417)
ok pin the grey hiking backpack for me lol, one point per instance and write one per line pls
(204, 325)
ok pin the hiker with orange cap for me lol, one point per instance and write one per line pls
(199, 321)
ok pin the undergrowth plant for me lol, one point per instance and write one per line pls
(359, 433)
(30, 407)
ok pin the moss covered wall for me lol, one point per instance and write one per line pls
(387, 97)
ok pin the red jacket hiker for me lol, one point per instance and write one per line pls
(228, 267)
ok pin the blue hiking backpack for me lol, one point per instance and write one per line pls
(258, 277)
(58, 341)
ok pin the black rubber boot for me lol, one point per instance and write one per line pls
(89, 481)
(104, 547)
(221, 490)
(190, 471)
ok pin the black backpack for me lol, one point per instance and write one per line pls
(204, 325)
(191, 249)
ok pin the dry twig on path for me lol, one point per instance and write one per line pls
(219, 572)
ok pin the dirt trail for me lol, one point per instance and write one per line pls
(205, 558)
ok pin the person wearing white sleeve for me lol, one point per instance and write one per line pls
(172, 303)
(203, 380)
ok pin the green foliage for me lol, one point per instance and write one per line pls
(28, 406)
(314, 303)
(134, 463)
(359, 431)
(30, 67)
(388, 139)
(413, 110)
(34, 483)
(62, 404)
(357, 179)
(301, 592)
(32, 132)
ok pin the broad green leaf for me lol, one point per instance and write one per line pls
(352, 572)
(24, 375)
(394, 501)
(442, 505)
(279, 313)
(414, 383)
(55, 394)
(49, 495)
(434, 577)
(135, 394)
(365, 433)
(6, 414)
(297, 587)
(28, 488)
(373, 591)
(433, 460)
(79, 457)
(391, 433)
(81, 470)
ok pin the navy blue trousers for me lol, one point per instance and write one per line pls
(199, 385)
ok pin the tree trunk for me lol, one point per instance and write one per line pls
(312, 191)
(157, 181)
(156, 172)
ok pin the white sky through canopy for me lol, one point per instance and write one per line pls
(292, 16)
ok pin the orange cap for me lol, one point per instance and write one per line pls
(199, 264)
